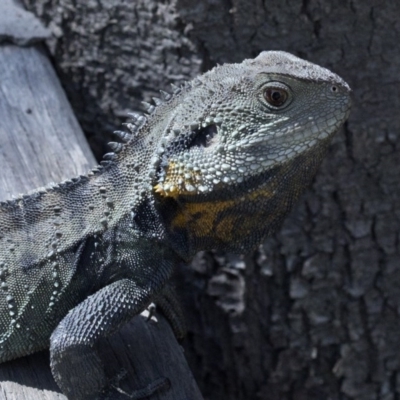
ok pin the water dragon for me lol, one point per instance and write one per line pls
(217, 164)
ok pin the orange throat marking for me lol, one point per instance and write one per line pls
(223, 220)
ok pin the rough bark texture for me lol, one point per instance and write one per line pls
(314, 312)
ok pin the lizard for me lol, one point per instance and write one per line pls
(217, 164)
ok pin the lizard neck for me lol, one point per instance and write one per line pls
(239, 218)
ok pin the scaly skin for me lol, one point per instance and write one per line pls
(217, 165)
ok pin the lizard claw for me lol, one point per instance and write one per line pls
(149, 313)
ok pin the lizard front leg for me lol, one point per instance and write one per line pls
(75, 364)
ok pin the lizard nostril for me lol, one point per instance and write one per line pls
(334, 89)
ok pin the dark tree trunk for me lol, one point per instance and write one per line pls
(314, 312)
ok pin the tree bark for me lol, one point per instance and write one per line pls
(314, 312)
(41, 141)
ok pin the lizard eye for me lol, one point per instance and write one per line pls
(276, 96)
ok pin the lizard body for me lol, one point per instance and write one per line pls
(218, 164)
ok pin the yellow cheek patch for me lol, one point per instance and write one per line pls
(178, 181)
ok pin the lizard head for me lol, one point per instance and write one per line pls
(242, 142)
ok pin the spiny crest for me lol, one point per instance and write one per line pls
(166, 96)
(157, 101)
(115, 146)
(175, 89)
(125, 137)
(149, 108)
(109, 156)
(136, 122)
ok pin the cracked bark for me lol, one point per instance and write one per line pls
(314, 312)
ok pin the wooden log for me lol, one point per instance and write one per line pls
(41, 141)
